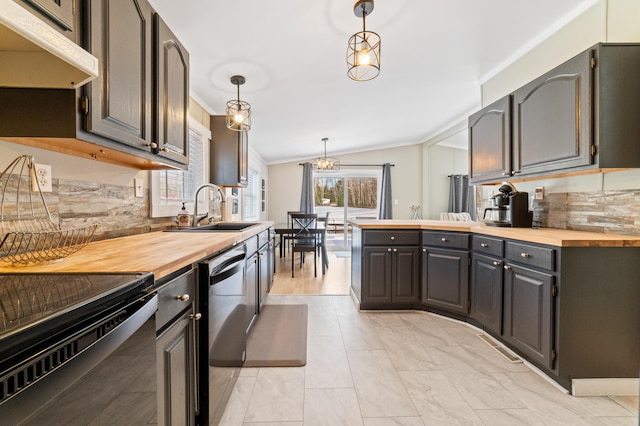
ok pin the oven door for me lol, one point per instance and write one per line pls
(111, 381)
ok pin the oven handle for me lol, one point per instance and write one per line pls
(227, 269)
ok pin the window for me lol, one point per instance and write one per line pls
(171, 188)
(252, 194)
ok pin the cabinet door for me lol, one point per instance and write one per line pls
(120, 99)
(527, 312)
(172, 94)
(405, 272)
(376, 277)
(228, 154)
(59, 12)
(490, 142)
(176, 373)
(486, 292)
(552, 119)
(446, 279)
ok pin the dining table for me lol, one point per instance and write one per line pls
(284, 229)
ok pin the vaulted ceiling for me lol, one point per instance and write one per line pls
(435, 54)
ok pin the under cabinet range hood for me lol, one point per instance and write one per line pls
(34, 55)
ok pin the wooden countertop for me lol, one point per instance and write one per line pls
(159, 252)
(549, 236)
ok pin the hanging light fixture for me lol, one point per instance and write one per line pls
(363, 52)
(238, 112)
(326, 164)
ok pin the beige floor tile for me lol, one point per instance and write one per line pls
(236, 408)
(630, 402)
(482, 391)
(456, 359)
(385, 319)
(358, 333)
(403, 349)
(331, 407)
(345, 305)
(603, 407)
(520, 417)
(327, 365)
(379, 388)
(437, 400)
(430, 335)
(277, 396)
(393, 421)
(618, 421)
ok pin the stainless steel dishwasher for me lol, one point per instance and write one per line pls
(230, 306)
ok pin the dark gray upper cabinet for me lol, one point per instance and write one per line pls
(582, 115)
(171, 94)
(60, 14)
(229, 154)
(120, 99)
(552, 119)
(490, 141)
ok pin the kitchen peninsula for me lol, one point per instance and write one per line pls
(555, 297)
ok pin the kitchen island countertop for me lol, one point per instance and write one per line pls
(548, 236)
(159, 252)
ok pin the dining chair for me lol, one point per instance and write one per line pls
(304, 239)
(286, 238)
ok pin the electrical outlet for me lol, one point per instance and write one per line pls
(43, 178)
(138, 188)
(539, 193)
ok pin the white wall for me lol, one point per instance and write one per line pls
(285, 180)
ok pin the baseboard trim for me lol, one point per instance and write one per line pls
(605, 387)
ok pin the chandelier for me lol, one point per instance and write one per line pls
(238, 112)
(363, 52)
(326, 164)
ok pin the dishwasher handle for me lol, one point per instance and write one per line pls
(226, 269)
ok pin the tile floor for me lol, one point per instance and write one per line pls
(405, 368)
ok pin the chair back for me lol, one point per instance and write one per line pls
(304, 226)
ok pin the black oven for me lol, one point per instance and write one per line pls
(77, 349)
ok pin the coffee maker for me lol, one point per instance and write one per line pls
(510, 208)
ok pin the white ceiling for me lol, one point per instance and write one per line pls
(435, 54)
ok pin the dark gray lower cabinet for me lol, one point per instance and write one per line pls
(445, 275)
(264, 266)
(486, 292)
(528, 304)
(390, 274)
(176, 351)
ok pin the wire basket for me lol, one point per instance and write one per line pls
(28, 233)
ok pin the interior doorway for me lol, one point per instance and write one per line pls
(346, 195)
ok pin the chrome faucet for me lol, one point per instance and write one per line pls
(197, 219)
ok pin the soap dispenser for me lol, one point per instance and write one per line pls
(183, 218)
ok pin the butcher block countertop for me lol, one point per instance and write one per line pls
(548, 236)
(159, 252)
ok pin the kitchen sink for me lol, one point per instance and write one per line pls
(218, 226)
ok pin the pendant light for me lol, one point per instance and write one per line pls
(363, 52)
(326, 164)
(238, 112)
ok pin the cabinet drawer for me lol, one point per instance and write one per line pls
(446, 239)
(171, 295)
(406, 238)
(486, 245)
(540, 257)
(263, 238)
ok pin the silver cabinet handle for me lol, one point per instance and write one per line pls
(525, 255)
(485, 245)
(152, 145)
(195, 317)
(507, 267)
(506, 174)
(497, 263)
(185, 297)
(393, 238)
(388, 249)
(395, 250)
(424, 250)
(444, 240)
(515, 172)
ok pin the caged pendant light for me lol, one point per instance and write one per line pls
(238, 112)
(326, 164)
(363, 52)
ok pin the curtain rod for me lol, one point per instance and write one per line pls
(357, 165)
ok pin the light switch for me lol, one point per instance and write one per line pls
(138, 187)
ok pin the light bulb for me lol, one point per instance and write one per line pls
(238, 118)
(364, 54)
